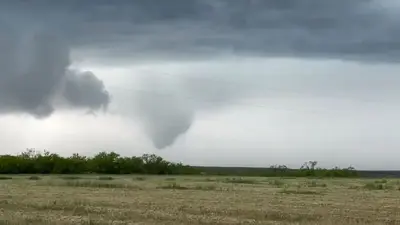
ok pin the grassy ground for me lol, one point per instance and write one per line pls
(196, 200)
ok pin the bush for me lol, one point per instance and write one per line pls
(70, 178)
(375, 186)
(276, 182)
(105, 178)
(206, 187)
(299, 192)
(383, 181)
(314, 183)
(240, 181)
(173, 186)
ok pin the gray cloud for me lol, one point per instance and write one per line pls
(358, 30)
(34, 65)
(84, 89)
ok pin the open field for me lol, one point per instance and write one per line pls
(196, 200)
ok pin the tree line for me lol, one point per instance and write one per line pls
(34, 162)
(308, 169)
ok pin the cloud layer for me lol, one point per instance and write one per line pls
(359, 30)
(363, 30)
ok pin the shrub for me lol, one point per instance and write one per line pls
(105, 178)
(240, 181)
(206, 187)
(299, 192)
(70, 178)
(276, 182)
(314, 183)
(375, 186)
(383, 181)
(173, 186)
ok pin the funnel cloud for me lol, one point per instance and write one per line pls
(165, 114)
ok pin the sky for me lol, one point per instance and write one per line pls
(204, 82)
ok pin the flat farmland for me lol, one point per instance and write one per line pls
(174, 200)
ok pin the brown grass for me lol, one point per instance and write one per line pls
(185, 200)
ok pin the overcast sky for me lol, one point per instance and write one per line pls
(204, 82)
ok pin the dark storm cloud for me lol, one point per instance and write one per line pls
(357, 29)
(34, 65)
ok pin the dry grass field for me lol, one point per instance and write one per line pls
(196, 200)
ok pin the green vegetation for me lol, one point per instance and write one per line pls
(240, 181)
(70, 178)
(140, 178)
(276, 182)
(105, 178)
(32, 162)
(314, 183)
(34, 178)
(377, 186)
(173, 186)
(308, 169)
(299, 192)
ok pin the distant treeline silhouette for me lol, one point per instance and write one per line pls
(33, 162)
